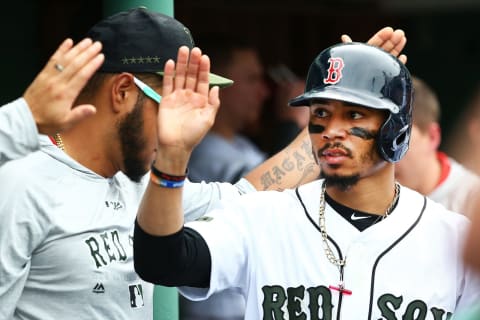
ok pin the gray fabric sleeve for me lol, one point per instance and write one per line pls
(18, 131)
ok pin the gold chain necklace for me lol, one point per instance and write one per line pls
(323, 230)
(59, 141)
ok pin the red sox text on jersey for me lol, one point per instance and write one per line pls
(320, 306)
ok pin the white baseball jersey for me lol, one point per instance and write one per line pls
(459, 191)
(268, 246)
(66, 232)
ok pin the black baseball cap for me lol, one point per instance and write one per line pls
(141, 41)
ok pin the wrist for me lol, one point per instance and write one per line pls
(172, 161)
(166, 180)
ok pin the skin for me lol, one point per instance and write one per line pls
(194, 107)
(423, 175)
(188, 99)
(51, 95)
(135, 161)
(104, 142)
(349, 161)
(283, 170)
(472, 244)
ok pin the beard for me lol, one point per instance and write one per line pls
(130, 131)
(341, 182)
(345, 182)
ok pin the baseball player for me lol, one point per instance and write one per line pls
(352, 245)
(437, 175)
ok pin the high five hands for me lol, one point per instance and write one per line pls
(392, 41)
(52, 93)
(188, 106)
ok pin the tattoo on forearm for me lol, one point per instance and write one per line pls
(299, 161)
(307, 149)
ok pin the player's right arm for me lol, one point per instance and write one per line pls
(186, 113)
(47, 105)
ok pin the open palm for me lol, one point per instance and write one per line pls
(188, 107)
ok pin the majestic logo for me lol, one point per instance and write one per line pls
(99, 288)
(136, 296)
(334, 71)
(354, 217)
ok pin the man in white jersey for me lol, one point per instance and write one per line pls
(428, 170)
(298, 253)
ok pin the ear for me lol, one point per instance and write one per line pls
(124, 92)
(435, 135)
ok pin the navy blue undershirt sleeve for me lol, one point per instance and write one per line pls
(180, 259)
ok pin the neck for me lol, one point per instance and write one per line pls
(373, 194)
(86, 147)
(430, 175)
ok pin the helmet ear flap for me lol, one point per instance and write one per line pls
(394, 138)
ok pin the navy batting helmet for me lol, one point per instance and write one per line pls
(368, 76)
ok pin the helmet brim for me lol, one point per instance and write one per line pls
(346, 95)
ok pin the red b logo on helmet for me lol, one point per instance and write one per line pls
(334, 71)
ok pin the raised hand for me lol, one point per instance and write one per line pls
(188, 107)
(392, 41)
(52, 93)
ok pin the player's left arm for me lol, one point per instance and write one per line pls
(290, 167)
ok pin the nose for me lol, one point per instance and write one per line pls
(334, 129)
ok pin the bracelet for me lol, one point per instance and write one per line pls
(166, 180)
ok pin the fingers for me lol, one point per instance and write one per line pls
(74, 65)
(395, 43)
(61, 50)
(168, 74)
(53, 91)
(392, 41)
(188, 73)
(193, 69)
(345, 38)
(398, 42)
(203, 74)
(403, 58)
(181, 67)
(78, 57)
(84, 66)
(380, 37)
(66, 53)
(213, 98)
